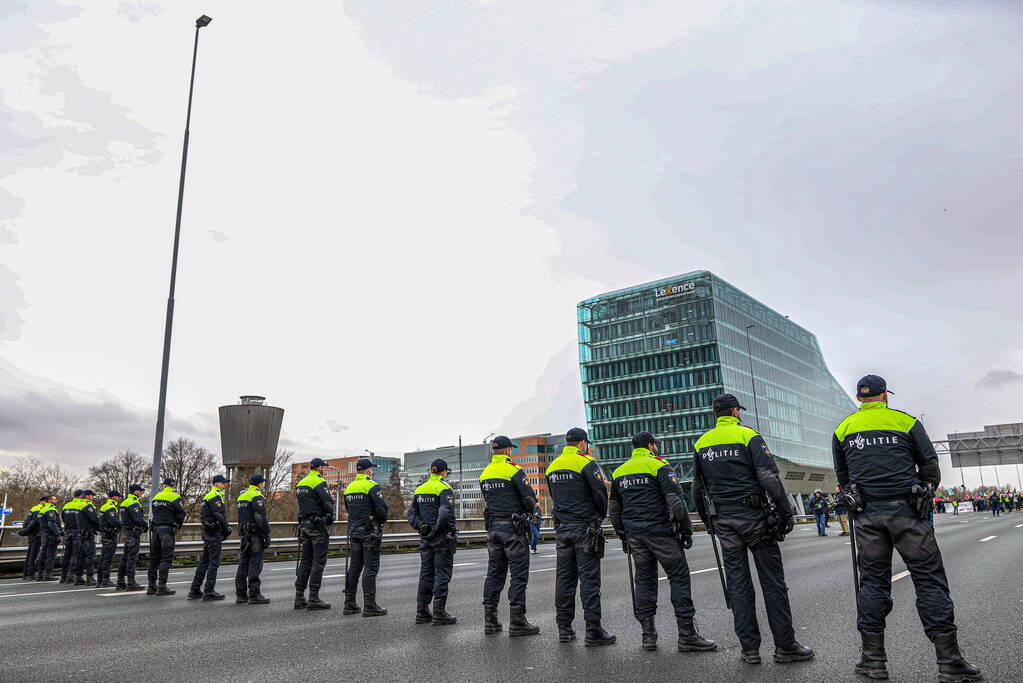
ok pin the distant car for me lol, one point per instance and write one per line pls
(19, 523)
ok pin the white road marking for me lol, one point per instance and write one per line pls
(1019, 525)
(965, 522)
(464, 564)
(987, 539)
(900, 575)
(66, 590)
(698, 571)
(549, 569)
(334, 576)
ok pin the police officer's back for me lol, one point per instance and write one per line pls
(886, 462)
(31, 529)
(110, 530)
(168, 516)
(432, 514)
(254, 531)
(72, 540)
(315, 515)
(367, 513)
(213, 518)
(50, 532)
(577, 488)
(648, 512)
(134, 524)
(510, 501)
(740, 497)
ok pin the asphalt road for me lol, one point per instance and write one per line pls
(56, 632)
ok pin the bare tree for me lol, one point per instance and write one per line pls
(119, 472)
(392, 495)
(29, 478)
(278, 484)
(192, 466)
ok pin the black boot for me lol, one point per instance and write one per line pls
(133, 586)
(89, 581)
(372, 609)
(649, 634)
(423, 615)
(566, 633)
(300, 602)
(596, 635)
(793, 653)
(194, 593)
(151, 589)
(314, 600)
(79, 581)
(163, 590)
(952, 666)
(350, 607)
(491, 623)
(212, 595)
(872, 657)
(750, 656)
(258, 599)
(518, 626)
(106, 583)
(440, 617)
(690, 640)
(241, 598)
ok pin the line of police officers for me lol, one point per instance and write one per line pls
(884, 460)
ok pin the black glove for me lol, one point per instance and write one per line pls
(788, 522)
(424, 529)
(624, 538)
(227, 532)
(22, 533)
(687, 541)
(266, 542)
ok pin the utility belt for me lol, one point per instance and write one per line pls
(315, 519)
(594, 541)
(374, 536)
(87, 533)
(919, 498)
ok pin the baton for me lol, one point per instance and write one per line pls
(855, 559)
(711, 515)
(348, 551)
(632, 578)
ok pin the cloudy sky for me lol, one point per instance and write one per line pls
(392, 208)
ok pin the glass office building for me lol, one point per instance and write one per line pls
(654, 356)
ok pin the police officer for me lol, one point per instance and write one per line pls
(168, 516)
(315, 515)
(577, 488)
(254, 531)
(72, 541)
(886, 461)
(735, 469)
(31, 529)
(50, 532)
(213, 518)
(110, 529)
(88, 527)
(510, 501)
(133, 521)
(367, 512)
(432, 514)
(649, 514)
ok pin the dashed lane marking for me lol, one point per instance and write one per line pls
(1019, 525)
(900, 575)
(698, 571)
(549, 569)
(987, 539)
(464, 564)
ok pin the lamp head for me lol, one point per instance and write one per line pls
(203, 21)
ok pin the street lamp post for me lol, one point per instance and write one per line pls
(162, 408)
(752, 379)
(461, 495)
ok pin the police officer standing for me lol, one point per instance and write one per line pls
(510, 502)
(88, 526)
(649, 514)
(72, 540)
(886, 462)
(315, 515)
(31, 529)
(432, 514)
(168, 516)
(577, 488)
(133, 521)
(50, 533)
(254, 531)
(110, 529)
(213, 518)
(735, 470)
(367, 512)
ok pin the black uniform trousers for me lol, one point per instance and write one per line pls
(161, 554)
(108, 546)
(47, 553)
(365, 561)
(126, 568)
(575, 567)
(87, 553)
(72, 548)
(31, 554)
(313, 538)
(649, 550)
(209, 563)
(741, 531)
(892, 524)
(436, 562)
(250, 566)
(508, 553)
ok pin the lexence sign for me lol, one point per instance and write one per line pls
(682, 289)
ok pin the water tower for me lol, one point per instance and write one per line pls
(249, 432)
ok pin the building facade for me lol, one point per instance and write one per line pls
(340, 472)
(653, 357)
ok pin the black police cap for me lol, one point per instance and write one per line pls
(256, 479)
(221, 479)
(169, 481)
(644, 439)
(364, 464)
(872, 385)
(132, 488)
(88, 492)
(78, 493)
(725, 401)
(576, 434)
(502, 442)
(114, 493)
(316, 462)
(439, 465)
